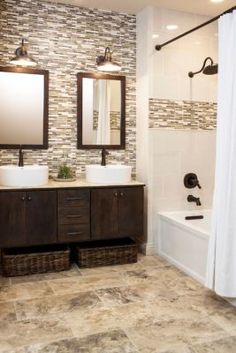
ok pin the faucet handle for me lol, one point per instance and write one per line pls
(198, 185)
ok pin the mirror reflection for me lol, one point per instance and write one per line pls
(23, 108)
(101, 111)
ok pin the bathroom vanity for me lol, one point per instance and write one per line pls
(72, 212)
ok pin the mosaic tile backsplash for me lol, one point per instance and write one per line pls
(65, 40)
(172, 114)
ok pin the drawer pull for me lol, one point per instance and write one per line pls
(74, 233)
(74, 199)
(73, 216)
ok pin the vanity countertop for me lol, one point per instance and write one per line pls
(78, 183)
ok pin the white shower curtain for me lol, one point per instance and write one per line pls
(103, 130)
(221, 269)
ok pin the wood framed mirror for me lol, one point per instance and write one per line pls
(101, 111)
(23, 108)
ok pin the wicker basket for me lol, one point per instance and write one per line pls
(106, 253)
(24, 261)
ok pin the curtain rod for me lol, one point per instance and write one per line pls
(160, 46)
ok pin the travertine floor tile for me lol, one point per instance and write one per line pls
(118, 295)
(226, 319)
(207, 301)
(107, 319)
(91, 322)
(224, 345)
(185, 285)
(7, 311)
(25, 291)
(109, 342)
(147, 261)
(160, 309)
(174, 308)
(158, 275)
(16, 334)
(86, 283)
(56, 305)
(173, 334)
(132, 315)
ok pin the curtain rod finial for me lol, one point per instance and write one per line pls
(158, 47)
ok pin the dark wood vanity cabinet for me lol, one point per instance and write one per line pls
(73, 215)
(116, 212)
(38, 217)
(28, 218)
(12, 218)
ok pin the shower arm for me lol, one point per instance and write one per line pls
(160, 46)
(191, 74)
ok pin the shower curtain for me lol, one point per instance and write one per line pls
(221, 267)
(103, 130)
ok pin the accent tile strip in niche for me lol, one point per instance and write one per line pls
(191, 115)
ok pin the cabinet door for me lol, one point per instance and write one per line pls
(41, 217)
(12, 218)
(104, 213)
(130, 218)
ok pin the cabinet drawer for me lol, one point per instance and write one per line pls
(73, 198)
(73, 215)
(73, 232)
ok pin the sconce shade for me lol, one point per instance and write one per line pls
(22, 58)
(105, 63)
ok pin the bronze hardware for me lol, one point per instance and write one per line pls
(74, 233)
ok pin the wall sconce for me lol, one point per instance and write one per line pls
(105, 63)
(21, 57)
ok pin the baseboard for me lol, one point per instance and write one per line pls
(148, 249)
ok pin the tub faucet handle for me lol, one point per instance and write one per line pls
(198, 185)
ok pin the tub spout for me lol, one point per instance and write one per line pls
(192, 198)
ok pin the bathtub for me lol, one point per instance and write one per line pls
(184, 243)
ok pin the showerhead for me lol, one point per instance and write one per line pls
(211, 69)
(207, 70)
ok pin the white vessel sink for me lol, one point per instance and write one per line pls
(108, 174)
(29, 175)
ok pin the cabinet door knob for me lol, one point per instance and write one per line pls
(23, 198)
(29, 198)
(121, 194)
(115, 194)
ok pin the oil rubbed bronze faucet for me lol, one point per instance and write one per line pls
(21, 158)
(104, 154)
(192, 198)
